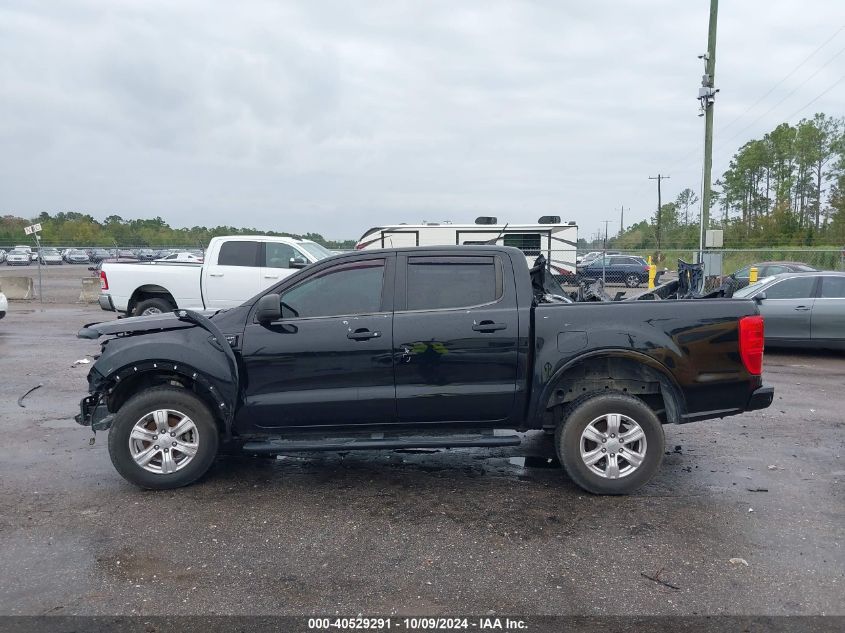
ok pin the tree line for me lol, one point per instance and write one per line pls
(784, 189)
(81, 229)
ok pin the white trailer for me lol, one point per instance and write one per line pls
(555, 239)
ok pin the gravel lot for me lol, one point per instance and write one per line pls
(470, 531)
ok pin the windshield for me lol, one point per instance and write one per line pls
(316, 250)
(753, 289)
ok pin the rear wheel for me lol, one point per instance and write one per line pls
(610, 443)
(163, 438)
(632, 280)
(152, 306)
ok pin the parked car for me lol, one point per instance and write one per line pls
(183, 256)
(4, 305)
(18, 257)
(586, 259)
(146, 254)
(77, 256)
(419, 348)
(767, 269)
(98, 254)
(2, 255)
(801, 309)
(237, 267)
(628, 269)
(27, 249)
(50, 256)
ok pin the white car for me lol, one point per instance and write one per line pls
(236, 268)
(2, 255)
(51, 256)
(181, 257)
(27, 249)
(18, 258)
(4, 305)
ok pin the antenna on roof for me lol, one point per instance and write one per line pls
(498, 237)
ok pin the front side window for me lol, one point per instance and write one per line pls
(238, 253)
(793, 288)
(833, 288)
(347, 289)
(452, 282)
(279, 255)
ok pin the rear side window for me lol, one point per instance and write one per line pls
(452, 282)
(833, 288)
(793, 288)
(528, 243)
(238, 253)
(343, 290)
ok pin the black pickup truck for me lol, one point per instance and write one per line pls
(420, 347)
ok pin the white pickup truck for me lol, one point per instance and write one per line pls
(235, 269)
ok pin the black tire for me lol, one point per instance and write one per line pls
(586, 409)
(633, 280)
(151, 400)
(153, 306)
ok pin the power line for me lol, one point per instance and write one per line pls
(787, 76)
(789, 94)
(816, 98)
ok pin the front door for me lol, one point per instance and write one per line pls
(277, 259)
(788, 307)
(328, 360)
(455, 333)
(828, 322)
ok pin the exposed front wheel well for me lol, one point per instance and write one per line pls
(617, 374)
(124, 389)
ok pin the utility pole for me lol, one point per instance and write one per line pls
(707, 97)
(622, 219)
(604, 253)
(658, 178)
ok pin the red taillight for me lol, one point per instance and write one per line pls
(359, 246)
(104, 281)
(751, 342)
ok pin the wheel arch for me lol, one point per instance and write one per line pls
(624, 370)
(149, 291)
(138, 377)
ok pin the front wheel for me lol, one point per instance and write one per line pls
(610, 443)
(163, 438)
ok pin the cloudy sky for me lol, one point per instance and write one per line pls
(336, 116)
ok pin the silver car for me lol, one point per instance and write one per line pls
(801, 309)
(18, 258)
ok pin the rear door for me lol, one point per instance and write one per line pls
(788, 308)
(828, 320)
(234, 276)
(455, 333)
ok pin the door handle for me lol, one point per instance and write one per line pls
(215, 274)
(362, 334)
(488, 326)
(271, 276)
(802, 308)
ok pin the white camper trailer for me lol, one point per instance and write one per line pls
(555, 239)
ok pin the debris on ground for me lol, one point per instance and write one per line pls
(81, 361)
(757, 489)
(656, 578)
(738, 561)
(20, 400)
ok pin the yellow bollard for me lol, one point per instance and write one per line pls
(652, 272)
(752, 275)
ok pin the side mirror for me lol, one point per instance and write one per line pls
(297, 262)
(268, 308)
(760, 296)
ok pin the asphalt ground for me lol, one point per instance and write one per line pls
(468, 531)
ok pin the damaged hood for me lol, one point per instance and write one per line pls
(150, 323)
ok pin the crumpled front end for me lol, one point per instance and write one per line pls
(93, 410)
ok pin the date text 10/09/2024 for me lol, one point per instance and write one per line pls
(417, 624)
